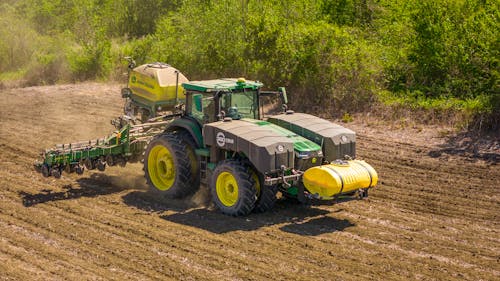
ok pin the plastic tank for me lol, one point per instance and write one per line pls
(156, 82)
(339, 177)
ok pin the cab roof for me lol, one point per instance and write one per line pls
(224, 84)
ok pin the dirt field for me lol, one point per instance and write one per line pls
(434, 216)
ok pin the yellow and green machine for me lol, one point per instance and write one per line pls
(218, 133)
(153, 89)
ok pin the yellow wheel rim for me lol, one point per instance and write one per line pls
(257, 183)
(161, 167)
(193, 161)
(227, 189)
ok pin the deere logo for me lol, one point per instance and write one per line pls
(222, 140)
(134, 79)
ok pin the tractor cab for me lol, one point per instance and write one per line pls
(213, 100)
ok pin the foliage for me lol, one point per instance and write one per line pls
(334, 56)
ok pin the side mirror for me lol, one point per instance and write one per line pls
(283, 96)
(198, 102)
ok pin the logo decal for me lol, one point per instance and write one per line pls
(343, 138)
(280, 148)
(222, 140)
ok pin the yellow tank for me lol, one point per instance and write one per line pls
(343, 176)
(156, 82)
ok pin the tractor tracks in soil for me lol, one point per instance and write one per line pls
(434, 216)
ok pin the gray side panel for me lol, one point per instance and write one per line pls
(337, 141)
(266, 149)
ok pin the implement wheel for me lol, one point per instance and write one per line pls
(89, 164)
(110, 160)
(233, 188)
(45, 170)
(167, 166)
(56, 173)
(101, 165)
(79, 169)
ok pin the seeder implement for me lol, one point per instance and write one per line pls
(125, 145)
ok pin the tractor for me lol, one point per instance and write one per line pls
(222, 136)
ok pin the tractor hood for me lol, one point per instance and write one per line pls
(335, 140)
(266, 145)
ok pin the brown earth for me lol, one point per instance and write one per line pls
(434, 216)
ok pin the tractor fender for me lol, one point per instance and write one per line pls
(267, 150)
(190, 125)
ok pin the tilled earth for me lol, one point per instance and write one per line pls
(434, 216)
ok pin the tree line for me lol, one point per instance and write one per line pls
(335, 56)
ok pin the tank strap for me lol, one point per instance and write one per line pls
(338, 174)
(369, 173)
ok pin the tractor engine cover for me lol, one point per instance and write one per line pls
(336, 141)
(266, 149)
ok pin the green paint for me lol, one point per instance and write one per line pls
(116, 144)
(191, 126)
(227, 84)
(203, 152)
(293, 191)
(300, 144)
(308, 134)
(211, 166)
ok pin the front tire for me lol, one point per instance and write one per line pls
(233, 188)
(167, 167)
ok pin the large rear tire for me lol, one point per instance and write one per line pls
(233, 188)
(167, 166)
(191, 146)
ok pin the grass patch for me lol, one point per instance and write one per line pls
(12, 75)
(460, 113)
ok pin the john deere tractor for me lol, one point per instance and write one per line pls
(222, 140)
(220, 137)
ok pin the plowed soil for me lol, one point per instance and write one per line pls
(434, 216)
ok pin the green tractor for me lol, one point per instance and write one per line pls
(219, 133)
(223, 140)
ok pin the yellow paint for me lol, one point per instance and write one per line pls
(156, 84)
(161, 167)
(227, 189)
(257, 183)
(327, 180)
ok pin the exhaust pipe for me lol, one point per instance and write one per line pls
(177, 87)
